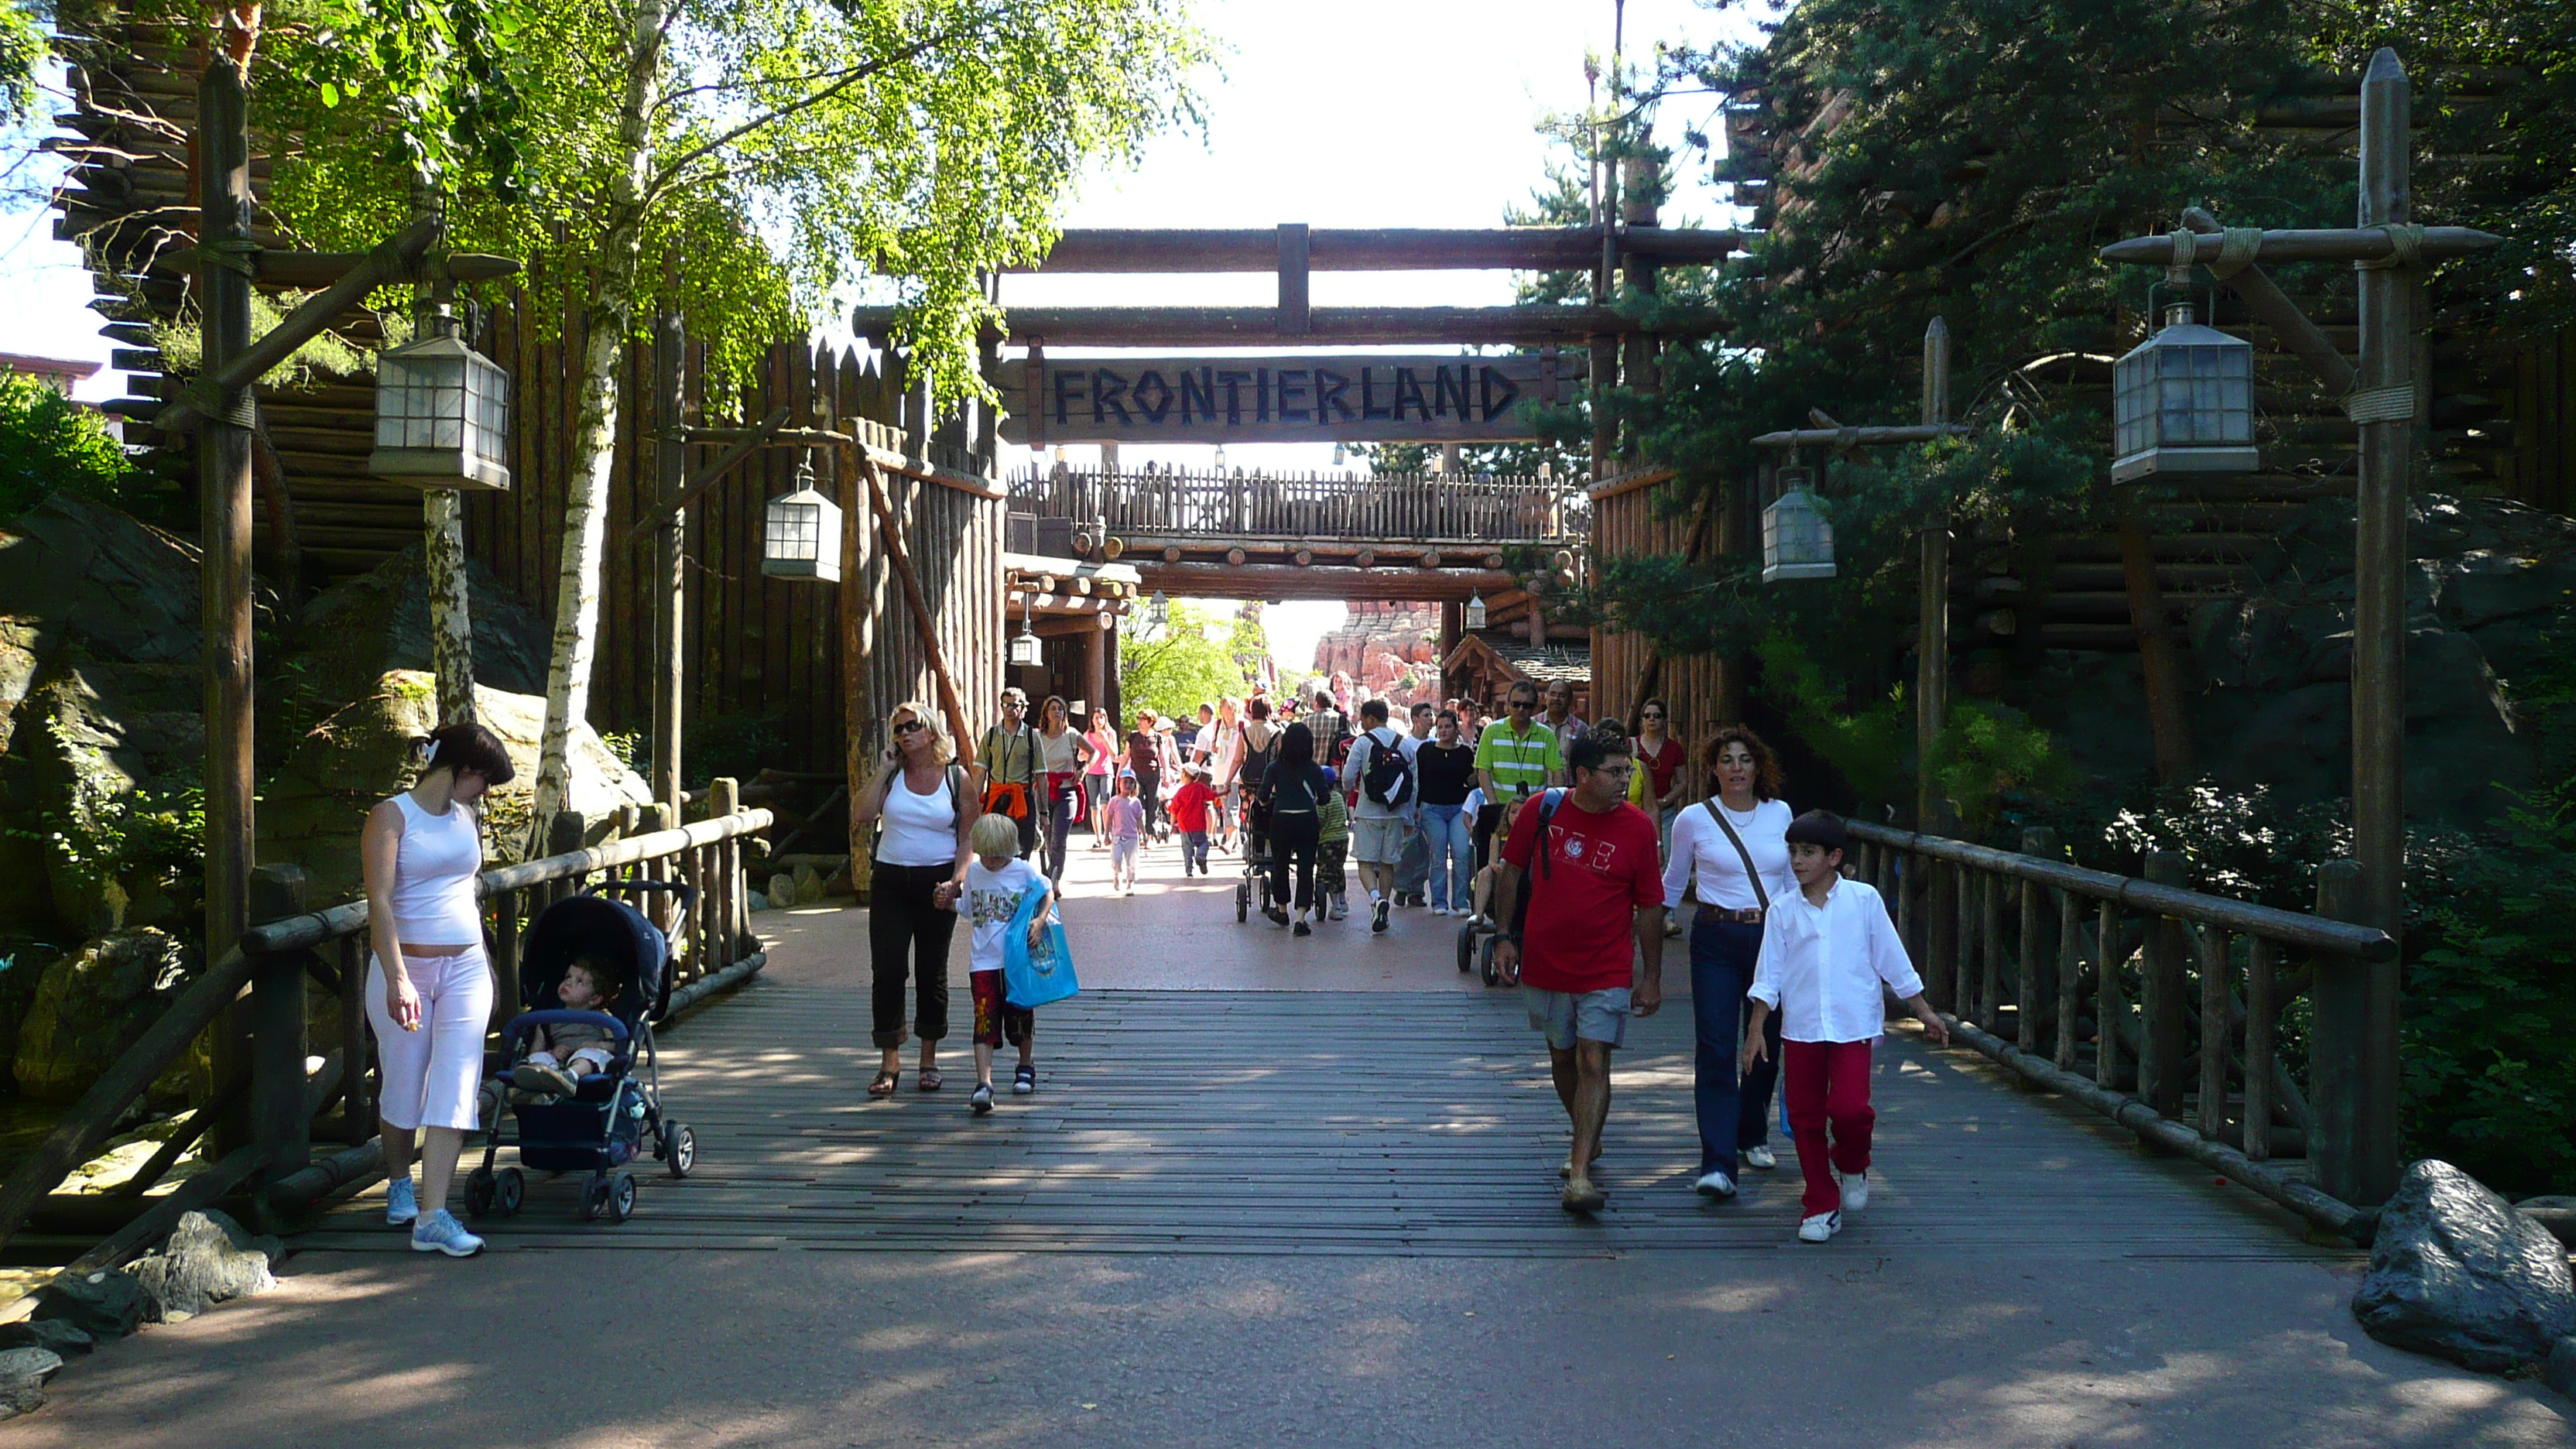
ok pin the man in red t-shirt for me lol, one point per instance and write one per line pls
(1596, 905)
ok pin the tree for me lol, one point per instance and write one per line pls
(748, 163)
(1175, 669)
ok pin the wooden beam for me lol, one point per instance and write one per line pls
(1319, 581)
(1630, 482)
(1859, 437)
(2338, 244)
(2270, 306)
(321, 269)
(711, 475)
(890, 536)
(1337, 249)
(1333, 326)
(910, 466)
(1296, 315)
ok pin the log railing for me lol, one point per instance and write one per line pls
(291, 1109)
(1457, 508)
(2158, 1006)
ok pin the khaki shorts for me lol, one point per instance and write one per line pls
(1377, 842)
(1567, 1017)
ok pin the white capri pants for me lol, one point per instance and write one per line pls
(434, 1076)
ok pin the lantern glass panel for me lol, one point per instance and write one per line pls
(2183, 402)
(442, 416)
(802, 538)
(1797, 542)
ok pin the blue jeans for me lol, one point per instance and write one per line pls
(1450, 833)
(1732, 1115)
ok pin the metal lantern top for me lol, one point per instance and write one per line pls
(1025, 649)
(2184, 403)
(1797, 542)
(442, 414)
(802, 536)
(1158, 610)
(1475, 610)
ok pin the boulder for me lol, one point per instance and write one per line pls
(104, 1304)
(23, 1372)
(208, 1259)
(2560, 1372)
(355, 632)
(46, 1333)
(312, 810)
(2457, 1272)
(91, 1005)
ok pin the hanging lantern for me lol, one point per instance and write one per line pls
(1024, 645)
(1475, 610)
(1220, 462)
(802, 539)
(1797, 542)
(442, 413)
(2184, 403)
(1158, 610)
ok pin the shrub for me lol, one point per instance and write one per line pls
(47, 441)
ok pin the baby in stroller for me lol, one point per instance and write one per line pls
(561, 1053)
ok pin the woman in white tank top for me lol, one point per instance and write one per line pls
(429, 986)
(921, 796)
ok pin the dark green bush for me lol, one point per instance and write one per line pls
(47, 441)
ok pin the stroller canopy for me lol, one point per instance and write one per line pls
(604, 930)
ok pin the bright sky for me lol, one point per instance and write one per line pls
(1329, 112)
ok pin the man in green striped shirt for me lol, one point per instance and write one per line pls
(1516, 757)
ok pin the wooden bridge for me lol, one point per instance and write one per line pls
(1425, 536)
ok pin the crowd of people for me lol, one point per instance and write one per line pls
(1573, 841)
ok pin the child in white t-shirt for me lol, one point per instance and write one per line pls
(997, 884)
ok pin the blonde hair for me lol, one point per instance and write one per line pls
(994, 835)
(942, 748)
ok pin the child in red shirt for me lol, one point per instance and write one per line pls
(1192, 805)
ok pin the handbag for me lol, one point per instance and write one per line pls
(1033, 977)
(1750, 873)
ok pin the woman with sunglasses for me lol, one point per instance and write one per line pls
(920, 795)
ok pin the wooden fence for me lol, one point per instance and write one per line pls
(288, 1107)
(1454, 508)
(2156, 1005)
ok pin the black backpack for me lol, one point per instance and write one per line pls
(1389, 781)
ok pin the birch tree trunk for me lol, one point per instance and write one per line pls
(609, 317)
(451, 617)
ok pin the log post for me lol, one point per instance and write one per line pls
(357, 1102)
(564, 835)
(2164, 1020)
(2391, 299)
(2108, 1006)
(1990, 927)
(2038, 841)
(280, 1123)
(2159, 658)
(670, 582)
(2217, 1005)
(1941, 914)
(224, 485)
(2339, 1089)
(2262, 1028)
(726, 797)
(2070, 975)
(1932, 636)
(890, 536)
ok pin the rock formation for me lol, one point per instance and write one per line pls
(1393, 648)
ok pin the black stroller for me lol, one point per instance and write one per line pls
(616, 1116)
(1254, 832)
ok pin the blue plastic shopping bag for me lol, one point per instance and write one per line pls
(1033, 977)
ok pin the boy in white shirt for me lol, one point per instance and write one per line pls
(998, 881)
(1825, 951)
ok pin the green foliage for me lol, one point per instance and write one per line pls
(1871, 747)
(182, 341)
(1175, 669)
(1989, 754)
(22, 62)
(1248, 641)
(2490, 1009)
(733, 746)
(47, 441)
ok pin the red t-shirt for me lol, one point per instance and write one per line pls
(1662, 763)
(1190, 807)
(1600, 870)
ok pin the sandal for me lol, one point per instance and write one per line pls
(884, 1085)
(928, 1081)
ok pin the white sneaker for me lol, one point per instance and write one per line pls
(440, 1232)
(1855, 1186)
(1715, 1184)
(1760, 1157)
(1820, 1227)
(402, 1201)
(1341, 910)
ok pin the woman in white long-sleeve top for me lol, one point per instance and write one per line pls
(1729, 853)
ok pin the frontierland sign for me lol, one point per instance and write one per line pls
(1287, 398)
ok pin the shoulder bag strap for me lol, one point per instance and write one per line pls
(1750, 874)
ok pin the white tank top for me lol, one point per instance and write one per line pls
(433, 896)
(919, 829)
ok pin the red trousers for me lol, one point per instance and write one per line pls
(1826, 1083)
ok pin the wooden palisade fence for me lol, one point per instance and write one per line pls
(2185, 991)
(276, 958)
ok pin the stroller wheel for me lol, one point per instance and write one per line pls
(1485, 959)
(621, 1198)
(1242, 902)
(679, 1148)
(478, 1192)
(594, 1195)
(509, 1191)
(1466, 949)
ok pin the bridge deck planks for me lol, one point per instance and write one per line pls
(1283, 1122)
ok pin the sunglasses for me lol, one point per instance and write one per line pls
(1522, 704)
(1653, 714)
(905, 727)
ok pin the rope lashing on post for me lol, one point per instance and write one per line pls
(2186, 249)
(2380, 405)
(2406, 248)
(2238, 246)
(1846, 440)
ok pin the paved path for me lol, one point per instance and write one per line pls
(1311, 1201)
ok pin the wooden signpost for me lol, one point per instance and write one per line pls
(1286, 398)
